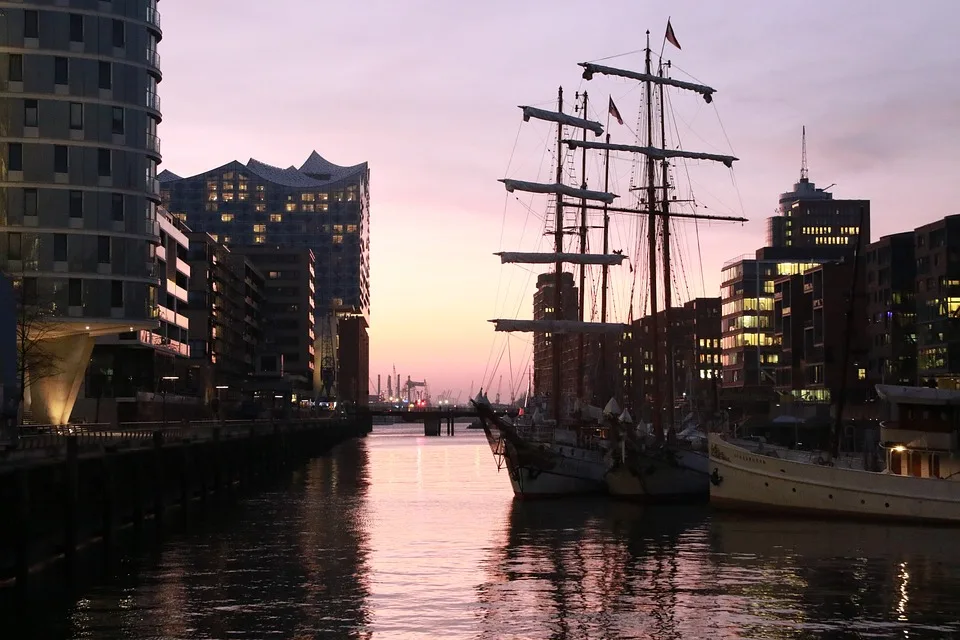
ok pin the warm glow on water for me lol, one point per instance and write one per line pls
(401, 536)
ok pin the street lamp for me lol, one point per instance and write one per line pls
(163, 395)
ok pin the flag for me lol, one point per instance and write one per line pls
(671, 36)
(614, 111)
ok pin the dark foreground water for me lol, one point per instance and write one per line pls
(399, 536)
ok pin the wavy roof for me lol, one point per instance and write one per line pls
(316, 171)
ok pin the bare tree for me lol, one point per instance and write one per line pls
(35, 327)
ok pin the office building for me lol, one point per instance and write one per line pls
(80, 150)
(322, 207)
(937, 257)
(891, 281)
(544, 308)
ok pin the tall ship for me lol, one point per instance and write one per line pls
(573, 446)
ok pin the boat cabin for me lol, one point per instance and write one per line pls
(920, 431)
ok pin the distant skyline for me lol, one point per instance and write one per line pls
(426, 92)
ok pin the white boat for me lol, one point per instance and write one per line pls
(919, 482)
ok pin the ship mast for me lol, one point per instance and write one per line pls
(667, 290)
(583, 250)
(556, 338)
(605, 270)
(656, 409)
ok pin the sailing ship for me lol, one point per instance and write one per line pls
(568, 454)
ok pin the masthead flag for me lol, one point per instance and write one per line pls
(614, 111)
(671, 36)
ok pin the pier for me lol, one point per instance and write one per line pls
(62, 489)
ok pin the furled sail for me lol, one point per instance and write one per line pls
(557, 189)
(569, 258)
(653, 152)
(559, 326)
(562, 118)
(589, 69)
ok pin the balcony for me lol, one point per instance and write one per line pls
(153, 143)
(153, 17)
(153, 58)
(153, 100)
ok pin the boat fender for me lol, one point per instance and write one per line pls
(715, 477)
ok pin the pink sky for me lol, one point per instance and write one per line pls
(426, 92)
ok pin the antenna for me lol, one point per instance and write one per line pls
(804, 172)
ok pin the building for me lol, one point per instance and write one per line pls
(544, 308)
(811, 318)
(937, 256)
(80, 150)
(891, 282)
(125, 366)
(289, 334)
(320, 206)
(226, 319)
(9, 357)
(694, 339)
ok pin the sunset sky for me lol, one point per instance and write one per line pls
(427, 93)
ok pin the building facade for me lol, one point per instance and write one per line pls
(79, 151)
(544, 308)
(321, 206)
(891, 282)
(937, 256)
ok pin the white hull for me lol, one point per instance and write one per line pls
(655, 479)
(744, 480)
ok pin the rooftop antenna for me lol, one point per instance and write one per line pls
(804, 172)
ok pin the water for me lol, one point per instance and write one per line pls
(399, 536)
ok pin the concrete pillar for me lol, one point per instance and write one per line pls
(52, 397)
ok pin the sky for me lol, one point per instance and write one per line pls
(426, 91)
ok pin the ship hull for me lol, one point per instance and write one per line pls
(742, 480)
(681, 478)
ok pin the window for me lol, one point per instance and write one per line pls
(16, 67)
(31, 24)
(259, 239)
(119, 38)
(103, 249)
(259, 228)
(15, 157)
(15, 246)
(30, 290)
(29, 202)
(76, 27)
(116, 294)
(118, 120)
(103, 162)
(75, 292)
(60, 247)
(226, 217)
(61, 70)
(61, 162)
(29, 113)
(76, 204)
(76, 116)
(116, 207)
(106, 75)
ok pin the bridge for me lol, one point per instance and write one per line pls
(432, 417)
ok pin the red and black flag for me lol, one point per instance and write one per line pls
(671, 36)
(614, 111)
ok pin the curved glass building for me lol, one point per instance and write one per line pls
(78, 165)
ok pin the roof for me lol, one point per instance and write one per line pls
(316, 171)
(898, 394)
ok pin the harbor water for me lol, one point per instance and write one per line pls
(401, 536)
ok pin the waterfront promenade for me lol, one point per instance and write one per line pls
(64, 488)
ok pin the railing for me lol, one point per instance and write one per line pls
(153, 58)
(153, 143)
(153, 100)
(153, 16)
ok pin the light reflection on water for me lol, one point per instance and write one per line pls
(407, 537)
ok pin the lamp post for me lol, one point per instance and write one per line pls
(163, 396)
(220, 387)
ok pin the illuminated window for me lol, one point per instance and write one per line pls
(226, 239)
(226, 217)
(273, 275)
(291, 206)
(261, 207)
(276, 217)
(259, 228)
(306, 207)
(337, 239)
(322, 197)
(259, 239)
(242, 195)
(338, 228)
(307, 197)
(228, 175)
(215, 237)
(861, 374)
(228, 196)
